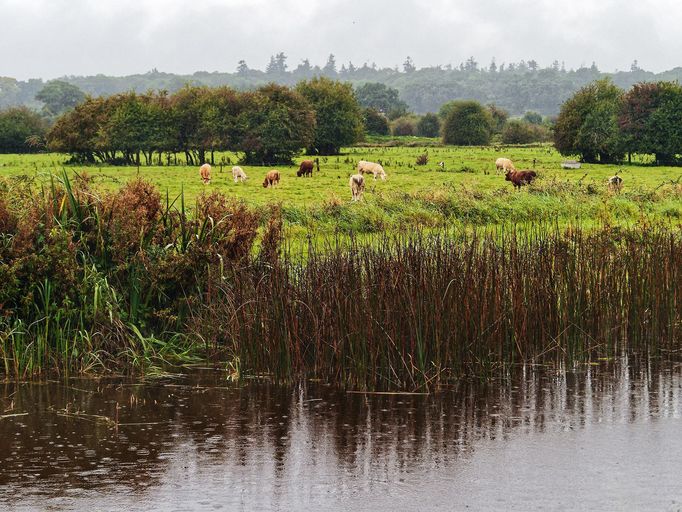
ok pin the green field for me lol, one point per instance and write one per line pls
(468, 190)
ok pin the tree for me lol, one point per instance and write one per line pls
(651, 120)
(187, 111)
(468, 123)
(428, 125)
(128, 127)
(20, 126)
(278, 123)
(470, 65)
(329, 68)
(532, 117)
(277, 65)
(587, 124)
(242, 68)
(80, 131)
(408, 65)
(382, 98)
(59, 97)
(499, 117)
(338, 117)
(304, 69)
(376, 123)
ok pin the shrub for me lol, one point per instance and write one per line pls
(20, 129)
(375, 122)
(467, 124)
(522, 132)
(428, 125)
(403, 126)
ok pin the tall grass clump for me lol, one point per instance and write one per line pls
(418, 311)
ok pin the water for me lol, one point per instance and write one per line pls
(595, 437)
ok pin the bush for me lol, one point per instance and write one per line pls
(21, 131)
(499, 117)
(428, 125)
(375, 122)
(404, 126)
(77, 265)
(467, 124)
(522, 132)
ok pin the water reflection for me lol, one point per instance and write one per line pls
(194, 443)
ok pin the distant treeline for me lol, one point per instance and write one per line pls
(516, 87)
(268, 125)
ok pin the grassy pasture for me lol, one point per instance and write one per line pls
(467, 190)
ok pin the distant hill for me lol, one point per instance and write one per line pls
(516, 87)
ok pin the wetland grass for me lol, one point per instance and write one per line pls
(124, 279)
(417, 311)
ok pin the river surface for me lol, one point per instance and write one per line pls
(604, 436)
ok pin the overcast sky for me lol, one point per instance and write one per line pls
(52, 38)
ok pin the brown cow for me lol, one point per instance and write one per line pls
(271, 178)
(306, 168)
(520, 178)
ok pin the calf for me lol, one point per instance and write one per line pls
(357, 186)
(271, 178)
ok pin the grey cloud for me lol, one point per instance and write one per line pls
(49, 38)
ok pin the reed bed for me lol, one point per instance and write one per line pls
(128, 278)
(417, 311)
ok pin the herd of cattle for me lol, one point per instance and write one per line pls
(357, 180)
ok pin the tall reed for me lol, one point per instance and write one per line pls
(416, 311)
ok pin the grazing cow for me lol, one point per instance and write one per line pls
(365, 167)
(271, 178)
(238, 174)
(615, 183)
(504, 164)
(357, 186)
(306, 168)
(205, 172)
(520, 178)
